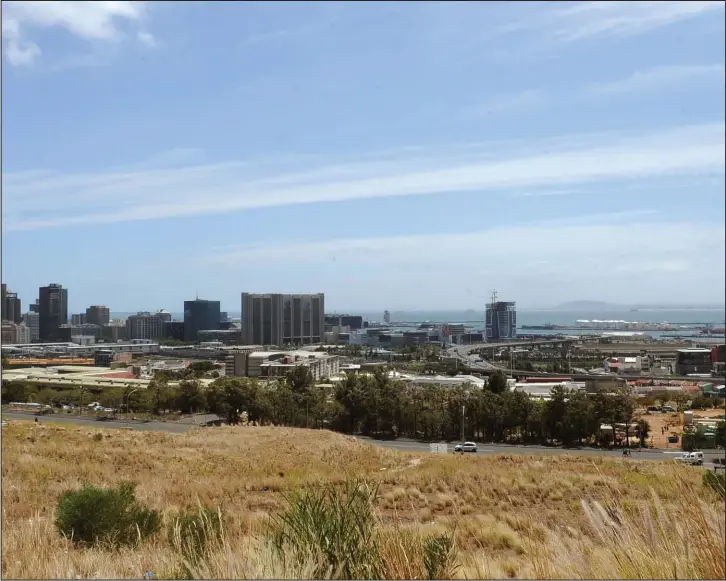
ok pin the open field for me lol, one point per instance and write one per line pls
(512, 516)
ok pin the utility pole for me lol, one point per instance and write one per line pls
(463, 411)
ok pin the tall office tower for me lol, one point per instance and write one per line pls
(32, 321)
(53, 311)
(283, 319)
(11, 307)
(200, 315)
(501, 319)
(35, 307)
(386, 317)
(98, 315)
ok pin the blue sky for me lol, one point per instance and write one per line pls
(392, 155)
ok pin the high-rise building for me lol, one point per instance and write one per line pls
(78, 319)
(35, 307)
(12, 308)
(164, 315)
(283, 319)
(53, 311)
(98, 315)
(32, 321)
(144, 325)
(200, 315)
(501, 319)
(386, 317)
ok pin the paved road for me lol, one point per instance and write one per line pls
(647, 454)
(400, 444)
(169, 427)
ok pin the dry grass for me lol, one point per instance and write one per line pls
(516, 516)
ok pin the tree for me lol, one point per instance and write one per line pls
(555, 411)
(300, 379)
(643, 431)
(497, 382)
(15, 391)
(578, 416)
(190, 398)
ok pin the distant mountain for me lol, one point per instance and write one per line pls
(584, 306)
(588, 306)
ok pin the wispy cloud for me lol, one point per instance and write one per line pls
(578, 252)
(578, 21)
(91, 21)
(119, 196)
(638, 84)
(656, 78)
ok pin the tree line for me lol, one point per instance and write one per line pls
(373, 405)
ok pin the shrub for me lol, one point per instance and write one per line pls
(334, 525)
(111, 516)
(191, 533)
(715, 481)
(439, 556)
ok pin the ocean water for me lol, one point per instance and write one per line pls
(543, 317)
(715, 317)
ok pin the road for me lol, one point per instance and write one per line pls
(169, 427)
(400, 444)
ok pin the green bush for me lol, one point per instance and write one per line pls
(111, 516)
(334, 525)
(439, 556)
(715, 481)
(191, 533)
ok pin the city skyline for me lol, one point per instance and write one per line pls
(583, 305)
(400, 156)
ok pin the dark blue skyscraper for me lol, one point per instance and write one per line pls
(200, 315)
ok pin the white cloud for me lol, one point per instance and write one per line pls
(588, 20)
(91, 21)
(617, 257)
(119, 196)
(529, 99)
(640, 83)
(656, 78)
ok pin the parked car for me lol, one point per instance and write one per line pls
(668, 408)
(465, 447)
(672, 439)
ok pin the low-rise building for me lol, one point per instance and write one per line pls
(277, 363)
(623, 365)
(694, 361)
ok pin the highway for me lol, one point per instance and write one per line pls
(463, 353)
(402, 444)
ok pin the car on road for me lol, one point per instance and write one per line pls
(465, 447)
(692, 458)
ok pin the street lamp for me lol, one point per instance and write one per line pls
(127, 398)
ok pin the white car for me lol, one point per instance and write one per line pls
(465, 447)
(692, 458)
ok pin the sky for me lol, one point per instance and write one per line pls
(403, 156)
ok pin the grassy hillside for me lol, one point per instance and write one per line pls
(513, 516)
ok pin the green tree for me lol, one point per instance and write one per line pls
(190, 398)
(15, 391)
(555, 415)
(497, 382)
(643, 431)
(578, 417)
